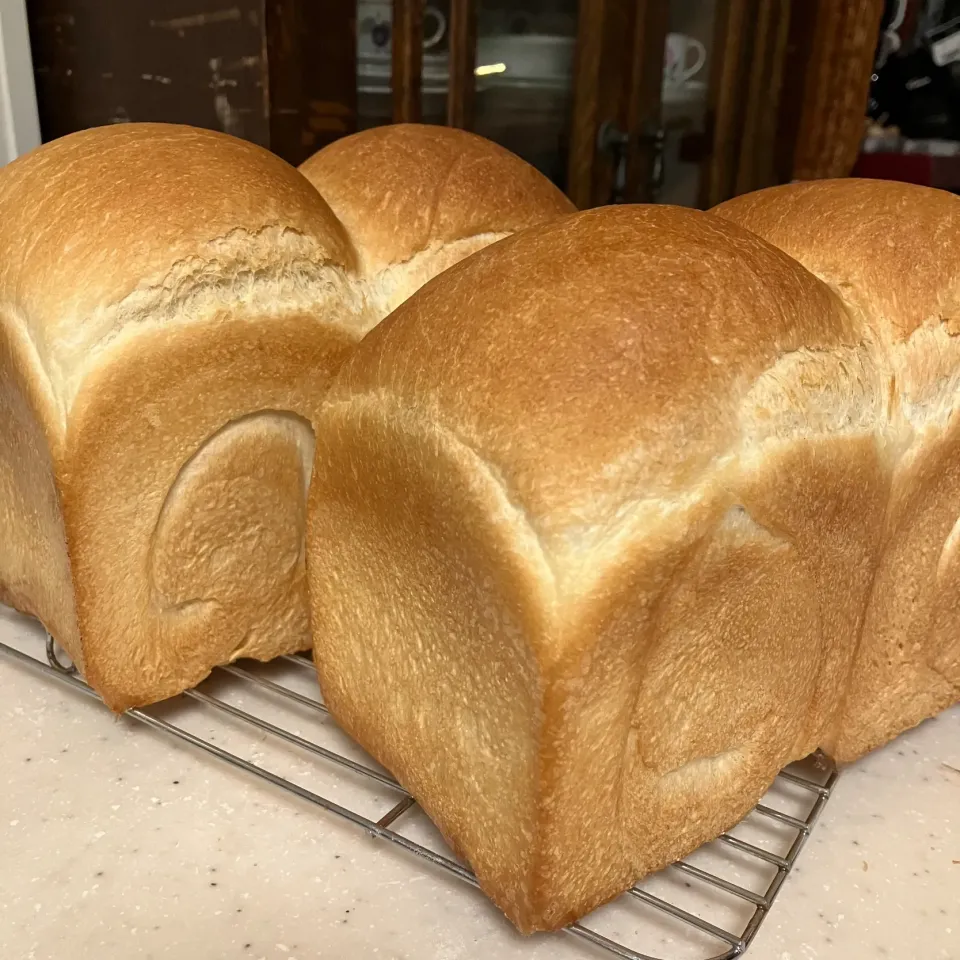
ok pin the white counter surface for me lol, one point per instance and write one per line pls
(116, 842)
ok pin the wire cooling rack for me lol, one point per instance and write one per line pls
(712, 903)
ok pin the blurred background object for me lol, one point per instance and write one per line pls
(839, 60)
(674, 101)
(19, 125)
(913, 131)
(277, 72)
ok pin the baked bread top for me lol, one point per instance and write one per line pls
(110, 229)
(612, 358)
(404, 188)
(889, 248)
(117, 226)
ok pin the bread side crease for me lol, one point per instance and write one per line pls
(173, 306)
(595, 533)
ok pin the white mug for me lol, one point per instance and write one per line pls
(373, 13)
(677, 70)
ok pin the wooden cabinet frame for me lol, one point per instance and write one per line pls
(786, 94)
(616, 81)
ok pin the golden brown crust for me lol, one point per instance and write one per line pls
(683, 311)
(887, 247)
(890, 250)
(404, 188)
(173, 305)
(104, 227)
(593, 525)
(216, 524)
(34, 565)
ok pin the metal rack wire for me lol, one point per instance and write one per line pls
(734, 880)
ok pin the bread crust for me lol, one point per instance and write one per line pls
(173, 305)
(429, 186)
(634, 463)
(417, 198)
(890, 250)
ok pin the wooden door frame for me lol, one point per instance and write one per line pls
(785, 92)
(462, 85)
(585, 121)
(644, 120)
(617, 80)
(407, 62)
(309, 75)
(832, 121)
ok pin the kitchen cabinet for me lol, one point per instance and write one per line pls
(686, 101)
(676, 101)
(280, 73)
(555, 81)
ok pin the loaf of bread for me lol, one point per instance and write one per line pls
(891, 252)
(417, 198)
(173, 305)
(597, 520)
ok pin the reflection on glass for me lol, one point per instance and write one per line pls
(686, 70)
(374, 39)
(524, 73)
(524, 79)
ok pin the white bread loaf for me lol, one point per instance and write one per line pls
(417, 198)
(173, 304)
(891, 252)
(594, 518)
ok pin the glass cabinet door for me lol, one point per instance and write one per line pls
(619, 101)
(374, 61)
(688, 56)
(523, 77)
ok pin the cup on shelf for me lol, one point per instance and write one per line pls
(683, 58)
(374, 27)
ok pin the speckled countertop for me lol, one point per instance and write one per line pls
(116, 842)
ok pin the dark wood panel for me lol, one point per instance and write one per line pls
(312, 63)
(732, 39)
(407, 60)
(463, 60)
(651, 23)
(113, 61)
(755, 167)
(767, 171)
(788, 92)
(800, 36)
(616, 73)
(602, 79)
(586, 101)
(832, 121)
